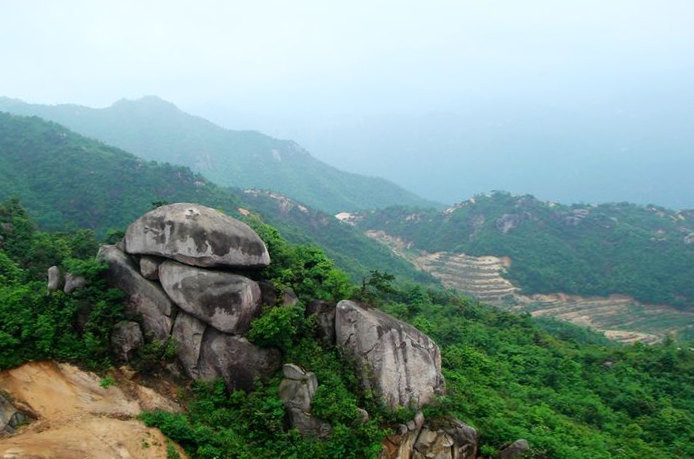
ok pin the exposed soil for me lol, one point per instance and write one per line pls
(77, 418)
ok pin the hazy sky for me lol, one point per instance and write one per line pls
(291, 68)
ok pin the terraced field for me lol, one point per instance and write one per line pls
(620, 317)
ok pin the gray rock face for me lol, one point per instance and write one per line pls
(126, 338)
(325, 320)
(297, 390)
(188, 333)
(444, 439)
(515, 449)
(196, 235)
(72, 283)
(235, 359)
(226, 301)
(10, 417)
(55, 278)
(395, 359)
(143, 297)
(149, 267)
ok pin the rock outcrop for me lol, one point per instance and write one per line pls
(188, 333)
(143, 298)
(515, 449)
(206, 311)
(235, 359)
(196, 235)
(395, 360)
(297, 390)
(126, 338)
(446, 438)
(226, 301)
(10, 416)
(149, 267)
(325, 320)
(73, 282)
(55, 279)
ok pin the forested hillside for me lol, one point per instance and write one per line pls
(68, 182)
(567, 391)
(643, 251)
(157, 130)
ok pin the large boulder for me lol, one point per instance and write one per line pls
(397, 361)
(226, 301)
(188, 333)
(143, 298)
(325, 320)
(196, 235)
(235, 359)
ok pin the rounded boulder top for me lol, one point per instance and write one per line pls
(196, 235)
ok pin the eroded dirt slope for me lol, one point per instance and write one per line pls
(77, 418)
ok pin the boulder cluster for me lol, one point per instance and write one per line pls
(186, 272)
(184, 269)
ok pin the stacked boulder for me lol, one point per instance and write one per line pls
(184, 268)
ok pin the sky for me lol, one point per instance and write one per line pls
(382, 87)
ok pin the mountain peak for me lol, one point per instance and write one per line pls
(146, 102)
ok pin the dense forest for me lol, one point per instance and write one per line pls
(67, 181)
(569, 392)
(643, 251)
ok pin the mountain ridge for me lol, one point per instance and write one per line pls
(156, 129)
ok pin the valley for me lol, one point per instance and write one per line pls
(619, 317)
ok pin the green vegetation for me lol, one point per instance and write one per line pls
(157, 130)
(35, 324)
(565, 389)
(67, 181)
(588, 250)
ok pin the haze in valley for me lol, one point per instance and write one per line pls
(571, 101)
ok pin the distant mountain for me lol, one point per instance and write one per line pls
(646, 252)
(157, 130)
(67, 181)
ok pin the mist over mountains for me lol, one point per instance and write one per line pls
(628, 147)
(157, 130)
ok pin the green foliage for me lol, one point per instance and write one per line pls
(107, 382)
(587, 250)
(276, 327)
(304, 268)
(35, 324)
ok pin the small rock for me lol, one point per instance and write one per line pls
(149, 267)
(363, 415)
(55, 278)
(515, 449)
(126, 339)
